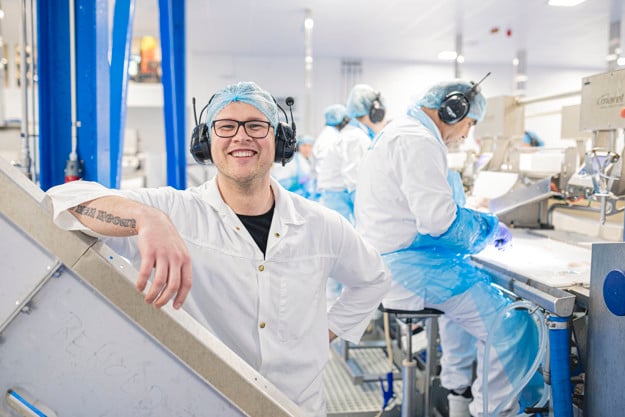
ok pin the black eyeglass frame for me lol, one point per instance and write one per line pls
(244, 124)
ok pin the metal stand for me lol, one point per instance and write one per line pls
(409, 365)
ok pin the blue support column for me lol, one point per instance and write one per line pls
(559, 352)
(123, 19)
(93, 91)
(172, 19)
(54, 91)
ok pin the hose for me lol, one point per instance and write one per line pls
(542, 342)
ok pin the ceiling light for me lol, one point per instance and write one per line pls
(460, 59)
(565, 3)
(447, 55)
(611, 57)
(621, 61)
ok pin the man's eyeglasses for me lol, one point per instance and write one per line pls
(227, 128)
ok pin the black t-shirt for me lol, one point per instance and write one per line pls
(259, 226)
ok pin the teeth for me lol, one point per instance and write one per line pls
(242, 154)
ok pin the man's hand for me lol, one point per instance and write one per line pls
(163, 250)
(160, 245)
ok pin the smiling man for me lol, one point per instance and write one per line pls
(260, 255)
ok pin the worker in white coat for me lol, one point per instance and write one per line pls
(366, 110)
(411, 208)
(335, 120)
(260, 255)
(296, 176)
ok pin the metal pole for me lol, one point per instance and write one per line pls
(25, 162)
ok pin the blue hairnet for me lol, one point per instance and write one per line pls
(434, 96)
(305, 139)
(360, 99)
(334, 114)
(244, 92)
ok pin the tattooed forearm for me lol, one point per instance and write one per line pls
(103, 216)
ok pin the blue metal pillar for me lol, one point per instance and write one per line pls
(172, 17)
(93, 88)
(122, 40)
(53, 71)
(559, 352)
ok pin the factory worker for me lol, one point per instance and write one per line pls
(296, 176)
(426, 236)
(335, 120)
(260, 255)
(366, 111)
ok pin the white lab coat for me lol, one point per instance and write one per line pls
(232, 295)
(396, 204)
(322, 145)
(326, 160)
(354, 141)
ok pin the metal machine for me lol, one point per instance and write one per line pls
(77, 339)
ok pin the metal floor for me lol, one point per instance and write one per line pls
(346, 399)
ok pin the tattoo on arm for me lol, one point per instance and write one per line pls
(103, 216)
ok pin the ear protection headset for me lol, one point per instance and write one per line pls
(343, 123)
(377, 110)
(456, 105)
(200, 146)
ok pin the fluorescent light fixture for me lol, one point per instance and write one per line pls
(565, 3)
(611, 57)
(447, 55)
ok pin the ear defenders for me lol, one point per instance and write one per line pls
(200, 146)
(377, 110)
(456, 105)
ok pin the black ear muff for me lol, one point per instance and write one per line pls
(456, 105)
(200, 146)
(377, 110)
(343, 123)
(454, 108)
(286, 144)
